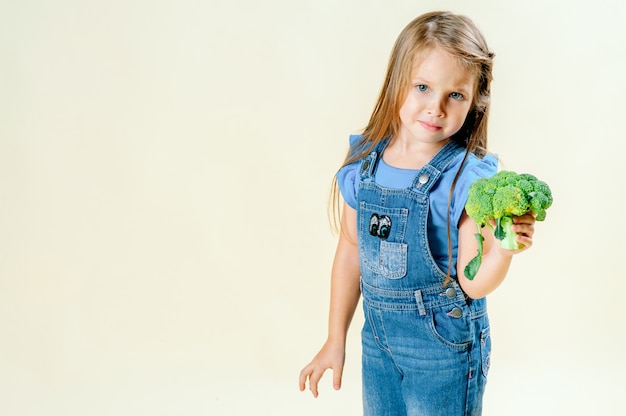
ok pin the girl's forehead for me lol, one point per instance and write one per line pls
(437, 61)
(438, 55)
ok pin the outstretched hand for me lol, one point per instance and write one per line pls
(331, 356)
(524, 226)
(482, 261)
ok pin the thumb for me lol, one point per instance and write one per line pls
(337, 372)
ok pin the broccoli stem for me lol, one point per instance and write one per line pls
(503, 232)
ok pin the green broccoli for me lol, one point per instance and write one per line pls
(499, 199)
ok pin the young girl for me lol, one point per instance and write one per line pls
(405, 238)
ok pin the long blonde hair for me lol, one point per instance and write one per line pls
(460, 37)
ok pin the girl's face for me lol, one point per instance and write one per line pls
(440, 96)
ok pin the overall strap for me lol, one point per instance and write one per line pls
(430, 173)
(369, 162)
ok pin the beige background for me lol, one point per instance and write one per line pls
(164, 173)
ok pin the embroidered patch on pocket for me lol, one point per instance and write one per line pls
(380, 226)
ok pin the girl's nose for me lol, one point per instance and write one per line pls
(435, 107)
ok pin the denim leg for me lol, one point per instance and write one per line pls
(382, 382)
(438, 388)
(442, 381)
(408, 370)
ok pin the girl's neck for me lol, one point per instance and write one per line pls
(405, 154)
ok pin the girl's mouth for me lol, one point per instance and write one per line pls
(429, 127)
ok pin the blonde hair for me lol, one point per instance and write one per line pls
(460, 37)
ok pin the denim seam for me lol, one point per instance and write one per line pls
(388, 350)
(375, 333)
(468, 389)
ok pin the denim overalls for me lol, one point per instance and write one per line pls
(426, 346)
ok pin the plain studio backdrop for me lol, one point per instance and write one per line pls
(164, 176)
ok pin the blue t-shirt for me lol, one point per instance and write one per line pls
(392, 177)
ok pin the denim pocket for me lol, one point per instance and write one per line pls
(485, 350)
(450, 331)
(393, 259)
(381, 240)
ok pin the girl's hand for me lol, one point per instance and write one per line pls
(332, 355)
(524, 226)
(496, 260)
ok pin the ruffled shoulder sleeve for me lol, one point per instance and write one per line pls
(347, 177)
(474, 169)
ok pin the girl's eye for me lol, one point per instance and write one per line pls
(456, 96)
(422, 87)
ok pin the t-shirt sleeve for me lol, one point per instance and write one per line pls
(348, 183)
(477, 168)
(347, 177)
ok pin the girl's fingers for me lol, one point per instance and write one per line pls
(524, 225)
(314, 381)
(524, 219)
(313, 377)
(524, 229)
(337, 378)
(525, 241)
(304, 374)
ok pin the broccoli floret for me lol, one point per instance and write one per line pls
(500, 198)
(540, 199)
(508, 201)
(479, 202)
